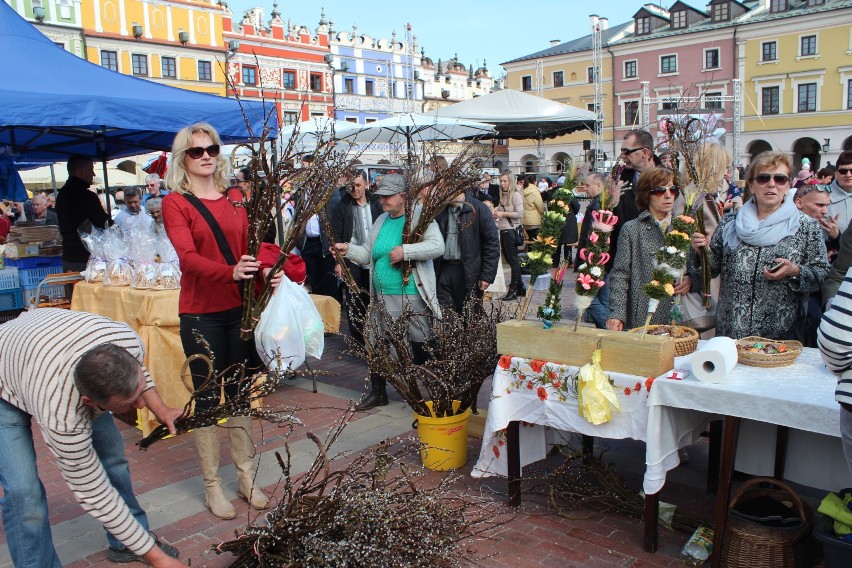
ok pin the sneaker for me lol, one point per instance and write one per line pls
(123, 555)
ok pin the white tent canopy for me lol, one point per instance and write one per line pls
(520, 115)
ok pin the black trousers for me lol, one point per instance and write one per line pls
(356, 304)
(510, 253)
(320, 269)
(452, 287)
(221, 330)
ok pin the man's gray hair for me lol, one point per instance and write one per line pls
(596, 177)
(152, 178)
(106, 371)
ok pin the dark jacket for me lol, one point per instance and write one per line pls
(479, 241)
(78, 208)
(343, 222)
(569, 234)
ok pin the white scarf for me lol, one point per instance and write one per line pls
(747, 228)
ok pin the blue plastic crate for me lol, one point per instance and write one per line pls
(35, 262)
(53, 292)
(9, 279)
(30, 277)
(11, 299)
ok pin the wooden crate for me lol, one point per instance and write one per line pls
(621, 352)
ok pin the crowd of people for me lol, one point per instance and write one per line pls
(778, 256)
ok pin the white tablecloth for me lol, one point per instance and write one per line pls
(540, 394)
(799, 396)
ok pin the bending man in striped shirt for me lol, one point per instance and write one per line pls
(94, 369)
(834, 339)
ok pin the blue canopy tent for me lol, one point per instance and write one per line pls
(54, 104)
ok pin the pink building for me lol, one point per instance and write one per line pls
(688, 58)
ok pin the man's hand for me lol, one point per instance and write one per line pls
(396, 255)
(483, 285)
(341, 248)
(166, 415)
(829, 225)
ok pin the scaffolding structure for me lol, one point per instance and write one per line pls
(696, 101)
(597, 76)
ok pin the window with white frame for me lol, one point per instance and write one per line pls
(526, 83)
(168, 66)
(631, 69)
(807, 97)
(643, 25)
(205, 71)
(109, 59)
(849, 94)
(777, 6)
(808, 45)
(288, 79)
(769, 51)
(670, 104)
(289, 117)
(679, 19)
(558, 79)
(140, 64)
(590, 74)
(668, 64)
(771, 102)
(249, 75)
(713, 100)
(711, 58)
(631, 113)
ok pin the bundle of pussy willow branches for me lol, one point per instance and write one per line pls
(585, 484)
(373, 511)
(460, 357)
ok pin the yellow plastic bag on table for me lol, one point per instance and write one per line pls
(595, 396)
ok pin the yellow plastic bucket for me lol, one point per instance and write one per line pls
(443, 440)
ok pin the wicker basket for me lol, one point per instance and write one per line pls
(750, 544)
(683, 345)
(765, 360)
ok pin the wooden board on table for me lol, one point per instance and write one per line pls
(621, 352)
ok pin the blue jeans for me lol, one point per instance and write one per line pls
(598, 312)
(24, 504)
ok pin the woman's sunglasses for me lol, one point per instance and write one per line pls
(779, 179)
(197, 151)
(662, 190)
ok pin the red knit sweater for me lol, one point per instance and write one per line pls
(207, 281)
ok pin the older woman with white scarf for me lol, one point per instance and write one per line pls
(770, 256)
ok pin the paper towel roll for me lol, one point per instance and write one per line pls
(715, 360)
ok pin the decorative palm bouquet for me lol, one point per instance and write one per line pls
(551, 311)
(595, 256)
(670, 264)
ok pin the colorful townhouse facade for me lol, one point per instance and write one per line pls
(177, 43)
(59, 20)
(279, 62)
(721, 62)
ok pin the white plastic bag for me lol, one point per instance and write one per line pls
(290, 328)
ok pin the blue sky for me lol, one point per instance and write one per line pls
(496, 30)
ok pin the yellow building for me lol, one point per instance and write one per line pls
(563, 73)
(178, 43)
(797, 65)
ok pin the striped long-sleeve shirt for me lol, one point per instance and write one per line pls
(38, 353)
(835, 339)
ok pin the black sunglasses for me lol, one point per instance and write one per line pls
(844, 171)
(197, 151)
(628, 151)
(662, 190)
(779, 179)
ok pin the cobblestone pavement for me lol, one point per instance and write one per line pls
(168, 482)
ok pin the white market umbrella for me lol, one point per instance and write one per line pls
(311, 133)
(414, 128)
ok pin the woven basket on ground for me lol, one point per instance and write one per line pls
(683, 345)
(751, 544)
(763, 359)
